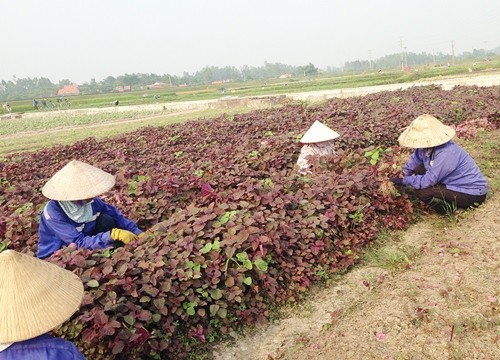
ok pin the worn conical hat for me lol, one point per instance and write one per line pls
(318, 132)
(78, 181)
(36, 296)
(424, 132)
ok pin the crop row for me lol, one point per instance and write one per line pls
(234, 230)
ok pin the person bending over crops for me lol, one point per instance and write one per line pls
(317, 142)
(442, 173)
(36, 297)
(75, 213)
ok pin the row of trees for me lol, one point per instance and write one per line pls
(412, 59)
(17, 89)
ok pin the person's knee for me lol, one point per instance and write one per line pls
(424, 195)
(104, 223)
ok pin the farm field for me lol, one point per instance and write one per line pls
(36, 130)
(236, 235)
(269, 87)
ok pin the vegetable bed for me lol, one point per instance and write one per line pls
(234, 231)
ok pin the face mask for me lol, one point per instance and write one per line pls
(79, 211)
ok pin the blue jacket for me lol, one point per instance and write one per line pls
(57, 229)
(446, 164)
(43, 347)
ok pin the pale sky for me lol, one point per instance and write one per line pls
(80, 40)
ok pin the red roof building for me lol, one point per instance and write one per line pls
(69, 90)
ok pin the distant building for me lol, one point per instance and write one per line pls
(123, 88)
(183, 85)
(285, 76)
(156, 85)
(69, 90)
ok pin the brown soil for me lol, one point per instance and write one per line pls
(432, 292)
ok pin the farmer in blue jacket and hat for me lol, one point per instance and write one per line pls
(442, 173)
(36, 297)
(75, 213)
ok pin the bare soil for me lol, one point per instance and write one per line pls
(444, 305)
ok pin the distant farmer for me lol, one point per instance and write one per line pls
(35, 104)
(318, 141)
(77, 215)
(36, 297)
(443, 174)
(6, 108)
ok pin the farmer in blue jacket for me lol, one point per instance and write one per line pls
(442, 173)
(76, 215)
(35, 298)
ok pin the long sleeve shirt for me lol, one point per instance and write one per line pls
(308, 150)
(57, 229)
(446, 164)
(43, 347)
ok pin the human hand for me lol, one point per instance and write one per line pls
(124, 236)
(396, 181)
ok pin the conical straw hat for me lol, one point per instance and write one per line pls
(318, 132)
(35, 296)
(424, 132)
(78, 181)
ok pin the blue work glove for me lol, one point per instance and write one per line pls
(396, 181)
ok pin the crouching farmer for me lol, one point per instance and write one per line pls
(75, 213)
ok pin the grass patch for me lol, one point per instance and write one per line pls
(387, 252)
(484, 150)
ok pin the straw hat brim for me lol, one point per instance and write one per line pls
(425, 132)
(78, 181)
(35, 296)
(318, 132)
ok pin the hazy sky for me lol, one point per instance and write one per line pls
(80, 40)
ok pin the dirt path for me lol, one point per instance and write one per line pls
(443, 305)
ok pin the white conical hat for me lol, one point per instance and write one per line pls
(425, 132)
(78, 181)
(36, 296)
(318, 132)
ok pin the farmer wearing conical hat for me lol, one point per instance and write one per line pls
(317, 142)
(442, 173)
(35, 298)
(77, 215)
